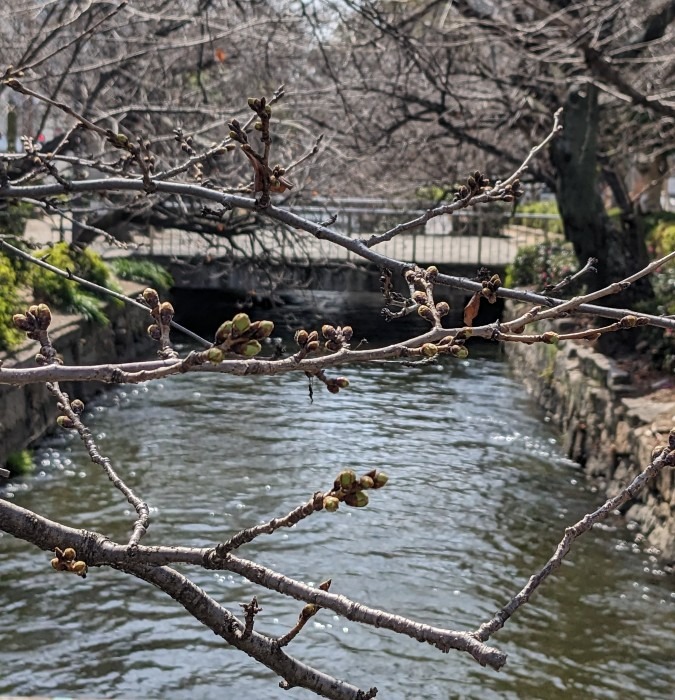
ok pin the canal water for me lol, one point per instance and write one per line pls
(479, 495)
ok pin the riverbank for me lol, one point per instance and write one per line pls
(610, 424)
(28, 413)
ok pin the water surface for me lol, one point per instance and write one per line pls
(479, 496)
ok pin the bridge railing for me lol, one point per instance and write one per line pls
(463, 238)
(468, 237)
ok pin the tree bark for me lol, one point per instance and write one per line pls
(620, 249)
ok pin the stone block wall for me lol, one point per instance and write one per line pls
(608, 426)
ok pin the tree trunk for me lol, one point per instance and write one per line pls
(620, 249)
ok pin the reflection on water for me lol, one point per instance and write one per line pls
(478, 497)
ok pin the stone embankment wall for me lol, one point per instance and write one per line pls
(28, 413)
(609, 426)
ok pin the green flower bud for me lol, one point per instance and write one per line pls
(214, 355)
(366, 482)
(251, 349)
(380, 480)
(358, 499)
(459, 351)
(241, 323)
(223, 332)
(429, 350)
(345, 479)
(342, 382)
(331, 503)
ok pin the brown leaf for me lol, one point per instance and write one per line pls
(471, 309)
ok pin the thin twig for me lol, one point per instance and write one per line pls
(17, 252)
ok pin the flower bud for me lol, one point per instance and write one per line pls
(151, 297)
(425, 312)
(223, 332)
(65, 422)
(342, 382)
(77, 406)
(459, 351)
(366, 482)
(214, 355)
(44, 316)
(327, 331)
(166, 312)
(79, 568)
(331, 503)
(346, 479)
(21, 322)
(550, 338)
(358, 499)
(154, 331)
(251, 349)
(380, 480)
(241, 323)
(419, 297)
(432, 272)
(312, 346)
(55, 563)
(265, 329)
(69, 554)
(347, 333)
(301, 337)
(443, 308)
(429, 350)
(628, 322)
(332, 387)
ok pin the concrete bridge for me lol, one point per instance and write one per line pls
(457, 244)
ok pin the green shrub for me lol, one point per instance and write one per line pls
(20, 463)
(64, 294)
(660, 233)
(10, 337)
(541, 264)
(144, 271)
(13, 218)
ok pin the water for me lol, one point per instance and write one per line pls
(478, 498)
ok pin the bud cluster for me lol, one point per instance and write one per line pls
(163, 313)
(350, 489)
(66, 560)
(36, 319)
(475, 184)
(337, 337)
(490, 288)
(240, 336)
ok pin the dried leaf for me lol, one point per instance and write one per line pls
(471, 309)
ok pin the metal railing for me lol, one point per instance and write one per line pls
(468, 237)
